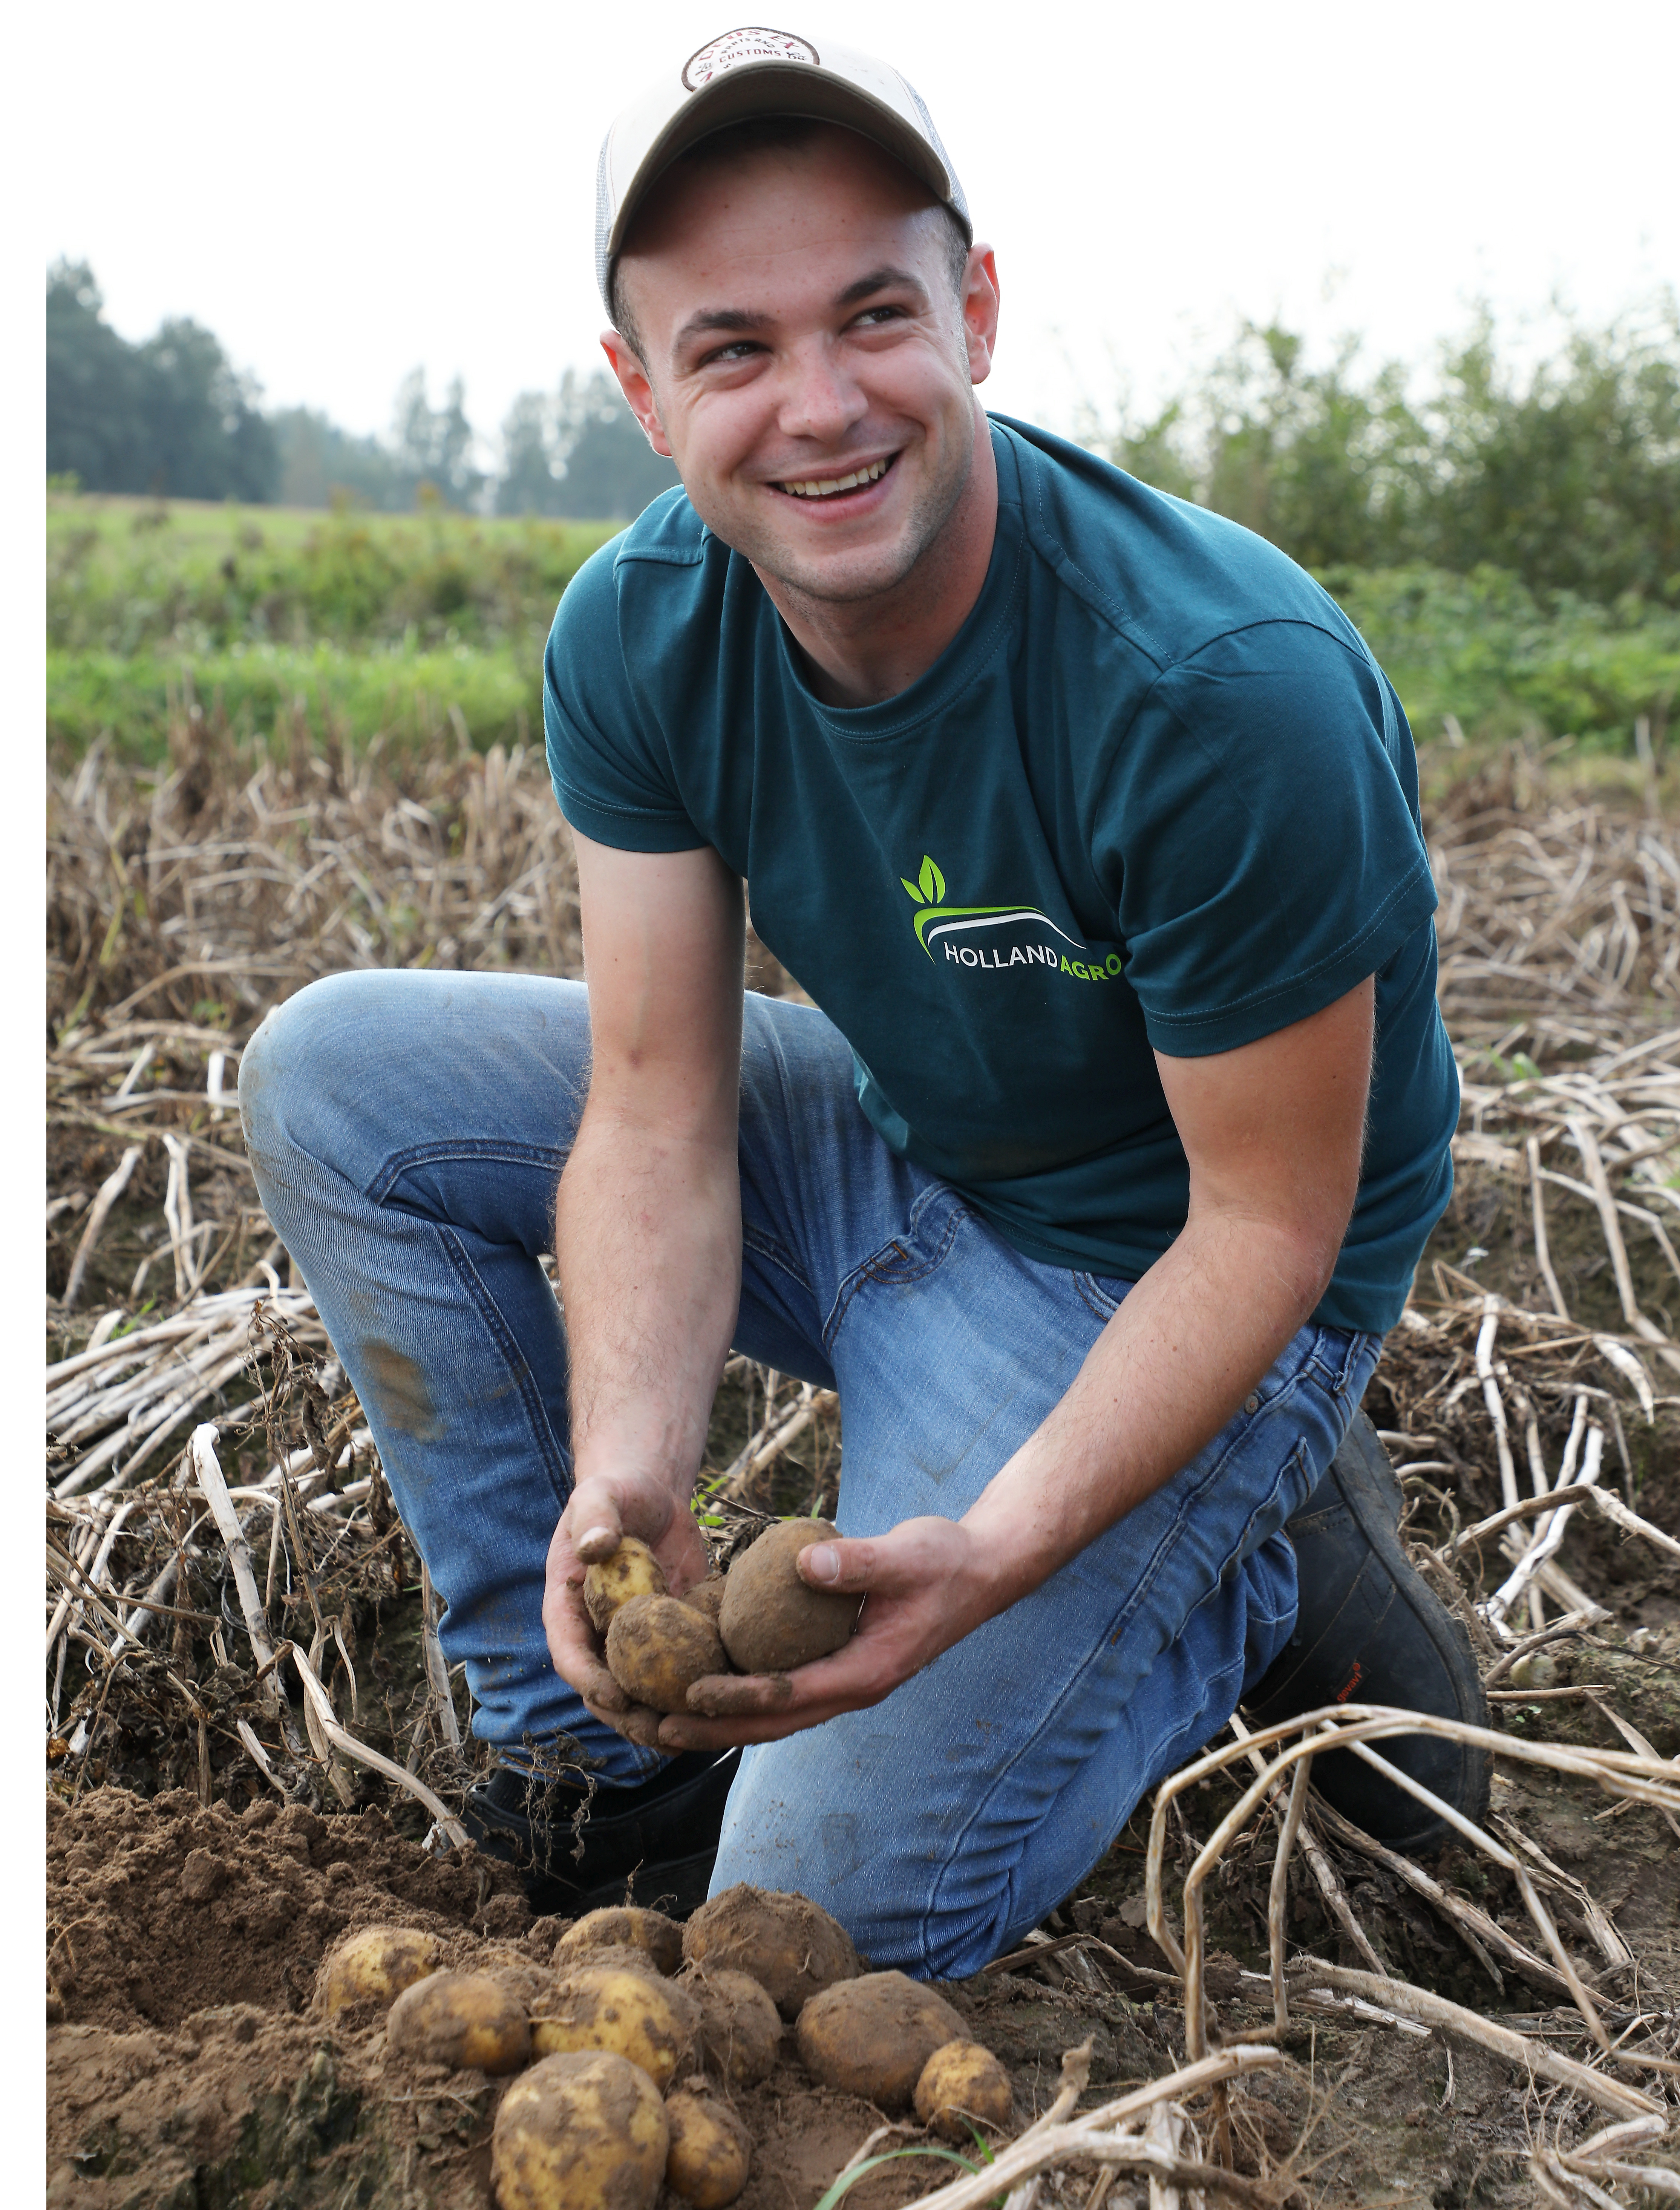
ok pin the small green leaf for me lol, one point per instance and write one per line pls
(843, 2185)
(933, 882)
(913, 890)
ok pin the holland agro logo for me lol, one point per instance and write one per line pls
(998, 937)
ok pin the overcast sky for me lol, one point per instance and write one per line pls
(342, 192)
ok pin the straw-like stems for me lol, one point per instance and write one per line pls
(98, 1213)
(1100, 2137)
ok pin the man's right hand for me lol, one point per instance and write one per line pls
(604, 1508)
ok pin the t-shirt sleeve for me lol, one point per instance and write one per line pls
(1257, 833)
(611, 771)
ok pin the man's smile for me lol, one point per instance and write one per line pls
(835, 486)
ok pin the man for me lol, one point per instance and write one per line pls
(1090, 825)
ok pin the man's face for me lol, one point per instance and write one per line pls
(803, 334)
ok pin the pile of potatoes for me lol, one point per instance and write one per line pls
(630, 2046)
(760, 1617)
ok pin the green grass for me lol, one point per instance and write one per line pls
(403, 625)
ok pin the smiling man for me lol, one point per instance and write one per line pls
(1091, 1179)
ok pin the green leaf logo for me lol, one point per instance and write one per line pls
(912, 889)
(931, 882)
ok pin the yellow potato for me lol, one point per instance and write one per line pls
(374, 1966)
(740, 2028)
(710, 2154)
(872, 2037)
(651, 2022)
(788, 1944)
(656, 1648)
(468, 2019)
(632, 1570)
(770, 1619)
(962, 2084)
(622, 1926)
(582, 2131)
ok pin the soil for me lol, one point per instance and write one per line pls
(187, 2070)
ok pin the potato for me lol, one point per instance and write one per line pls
(770, 1621)
(632, 1570)
(711, 2153)
(790, 1946)
(657, 1646)
(584, 2131)
(740, 2028)
(468, 2019)
(526, 1981)
(622, 1926)
(374, 1966)
(963, 2083)
(706, 1596)
(652, 2022)
(872, 2037)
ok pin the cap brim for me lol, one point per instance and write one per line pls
(781, 88)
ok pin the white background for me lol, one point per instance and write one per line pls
(342, 192)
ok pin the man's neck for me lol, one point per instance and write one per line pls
(860, 651)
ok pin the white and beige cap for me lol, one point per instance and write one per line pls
(755, 71)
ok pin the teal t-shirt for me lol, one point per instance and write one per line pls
(1155, 795)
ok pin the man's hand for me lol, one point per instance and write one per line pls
(604, 1508)
(925, 1585)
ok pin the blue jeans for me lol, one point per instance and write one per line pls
(407, 1131)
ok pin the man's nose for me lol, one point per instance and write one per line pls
(820, 401)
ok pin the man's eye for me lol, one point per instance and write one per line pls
(879, 315)
(742, 350)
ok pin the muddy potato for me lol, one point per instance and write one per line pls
(961, 2082)
(656, 1647)
(467, 2019)
(740, 2028)
(374, 1966)
(652, 2022)
(625, 1926)
(770, 1621)
(707, 1595)
(525, 1980)
(788, 1944)
(582, 2131)
(872, 2037)
(632, 1570)
(710, 2155)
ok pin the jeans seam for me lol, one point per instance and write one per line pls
(873, 1269)
(465, 1147)
(542, 1435)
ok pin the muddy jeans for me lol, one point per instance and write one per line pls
(407, 1129)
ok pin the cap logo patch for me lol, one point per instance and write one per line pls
(735, 49)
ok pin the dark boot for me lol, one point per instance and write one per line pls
(1370, 1630)
(663, 1834)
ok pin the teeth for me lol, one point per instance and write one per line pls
(825, 487)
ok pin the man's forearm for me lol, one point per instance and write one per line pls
(648, 1237)
(1185, 1348)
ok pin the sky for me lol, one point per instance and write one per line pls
(343, 192)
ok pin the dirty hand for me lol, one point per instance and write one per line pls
(604, 1508)
(926, 1584)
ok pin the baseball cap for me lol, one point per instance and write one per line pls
(751, 71)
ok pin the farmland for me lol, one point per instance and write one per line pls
(283, 744)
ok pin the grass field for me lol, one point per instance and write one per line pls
(362, 626)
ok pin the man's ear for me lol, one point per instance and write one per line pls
(980, 310)
(634, 383)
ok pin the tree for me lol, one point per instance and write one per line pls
(170, 416)
(320, 463)
(579, 453)
(433, 446)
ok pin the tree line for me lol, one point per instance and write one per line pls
(1565, 475)
(171, 417)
